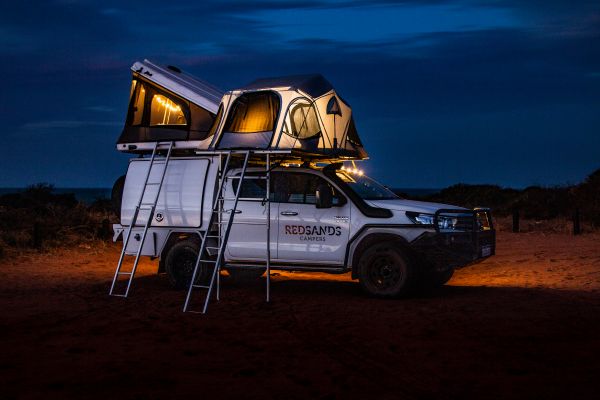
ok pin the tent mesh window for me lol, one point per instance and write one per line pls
(164, 111)
(302, 121)
(253, 112)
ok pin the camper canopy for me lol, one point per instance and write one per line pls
(300, 113)
(167, 104)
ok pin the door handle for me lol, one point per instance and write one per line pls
(289, 213)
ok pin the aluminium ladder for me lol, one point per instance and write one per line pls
(142, 206)
(223, 220)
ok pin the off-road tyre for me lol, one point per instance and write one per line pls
(386, 271)
(116, 196)
(179, 265)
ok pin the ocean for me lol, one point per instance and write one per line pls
(89, 195)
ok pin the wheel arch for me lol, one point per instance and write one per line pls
(367, 238)
(173, 238)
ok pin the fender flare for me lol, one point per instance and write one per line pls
(175, 237)
(370, 234)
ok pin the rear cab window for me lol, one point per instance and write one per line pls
(292, 187)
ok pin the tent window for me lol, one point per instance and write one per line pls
(253, 112)
(138, 97)
(164, 111)
(303, 121)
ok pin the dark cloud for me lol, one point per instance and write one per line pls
(493, 102)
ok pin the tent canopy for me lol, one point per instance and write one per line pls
(302, 113)
(167, 104)
(314, 85)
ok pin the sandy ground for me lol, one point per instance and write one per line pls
(523, 324)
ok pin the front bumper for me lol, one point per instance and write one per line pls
(445, 249)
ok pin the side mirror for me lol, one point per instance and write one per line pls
(324, 196)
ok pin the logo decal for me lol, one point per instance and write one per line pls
(313, 233)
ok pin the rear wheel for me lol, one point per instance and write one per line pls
(386, 271)
(180, 262)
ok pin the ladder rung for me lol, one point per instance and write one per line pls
(124, 273)
(153, 183)
(201, 286)
(212, 236)
(208, 261)
(211, 247)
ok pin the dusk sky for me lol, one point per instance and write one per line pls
(502, 92)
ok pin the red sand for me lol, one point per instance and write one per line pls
(523, 324)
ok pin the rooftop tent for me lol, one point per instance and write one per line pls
(167, 104)
(299, 113)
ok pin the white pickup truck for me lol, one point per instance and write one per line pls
(323, 218)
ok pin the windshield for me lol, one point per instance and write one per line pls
(365, 187)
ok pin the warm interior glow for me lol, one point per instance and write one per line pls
(253, 112)
(165, 112)
(168, 104)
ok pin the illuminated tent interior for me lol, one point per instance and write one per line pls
(299, 113)
(166, 104)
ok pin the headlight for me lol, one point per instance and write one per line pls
(421, 219)
(444, 222)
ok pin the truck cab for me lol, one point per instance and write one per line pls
(333, 219)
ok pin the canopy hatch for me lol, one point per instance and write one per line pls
(166, 104)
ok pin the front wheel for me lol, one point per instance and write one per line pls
(385, 271)
(180, 263)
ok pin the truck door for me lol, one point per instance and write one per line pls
(307, 234)
(248, 235)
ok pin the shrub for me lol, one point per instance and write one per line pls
(588, 198)
(59, 218)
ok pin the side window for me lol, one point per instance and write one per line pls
(136, 103)
(252, 189)
(164, 111)
(300, 188)
(301, 121)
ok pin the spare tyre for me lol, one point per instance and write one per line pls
(116, 196)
